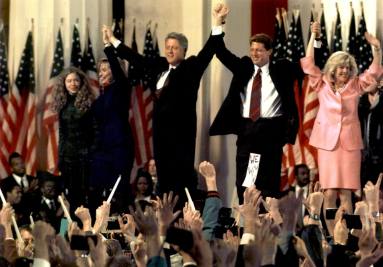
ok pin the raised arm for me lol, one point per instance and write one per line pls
(377, 51)
(123, 51)
(315, 33)
(107, 37)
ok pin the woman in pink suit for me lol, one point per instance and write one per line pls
(336, 132)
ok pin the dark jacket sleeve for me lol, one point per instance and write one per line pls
(118, 73)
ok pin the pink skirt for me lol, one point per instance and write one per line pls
(339, 168)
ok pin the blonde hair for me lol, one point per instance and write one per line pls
(338, 59)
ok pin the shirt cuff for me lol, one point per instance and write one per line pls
(247, 238)
(317, 44)
(116, 43)
(38, 262)
(216, 30)
(212, 194)
(165, 244)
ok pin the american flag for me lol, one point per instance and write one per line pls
(279, 38)
(337, 39)
(295, 46)
(364, 55)
(351, 44)
(155, 40)
(89, 66)
(50, 118)
(311, 21)
(141, 105)
(4, 88)
(118, 32)
(324, 52)
(76, 54)
(21, 126)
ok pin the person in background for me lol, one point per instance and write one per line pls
(151, 168)
(336, 132)
(14, 196)
(46, 205)
(143, 186)
(370, 112)
(26, 182)
(73, 98)
(302, 176)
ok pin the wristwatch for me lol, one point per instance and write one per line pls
(375, 214)
(315, 217)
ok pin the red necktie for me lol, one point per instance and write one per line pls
(255, 102)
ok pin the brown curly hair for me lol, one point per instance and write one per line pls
(84, 96)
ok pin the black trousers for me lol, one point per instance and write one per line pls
(265, 137)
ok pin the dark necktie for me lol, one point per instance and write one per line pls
(22, 185)
(255, 101)
(52, 205)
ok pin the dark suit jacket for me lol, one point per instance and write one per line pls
(10, 177)
(282, 73)
(174, 114)
(43, 212)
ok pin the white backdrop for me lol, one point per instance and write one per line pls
(193, 18)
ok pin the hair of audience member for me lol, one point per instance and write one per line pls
(113, 247)
(119, 261)
(297, 167)
(44, 177)
(7, 186)
(13, 156)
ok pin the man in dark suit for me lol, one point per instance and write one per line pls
(46, 205)
(175, 81)
(264, 127)
(26, 182)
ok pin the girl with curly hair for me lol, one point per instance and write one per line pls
(73, 98)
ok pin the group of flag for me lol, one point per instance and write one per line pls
(290, 45)
(18, 103)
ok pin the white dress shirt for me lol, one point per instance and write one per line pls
(270, 99)
(20, 180)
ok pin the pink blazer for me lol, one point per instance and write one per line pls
(337, 118)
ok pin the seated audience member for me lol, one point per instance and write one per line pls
(26, 248)
(151, 168)
(302, 176)
(143, 186)
(47, 206)
(13, 195)
(26, 182)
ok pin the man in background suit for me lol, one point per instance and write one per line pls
(267, 127)
(46, 205)
(26, 182)
(175, 81)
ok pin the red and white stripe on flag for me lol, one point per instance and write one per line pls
(50, 123)
(140, 117)
(301, 151)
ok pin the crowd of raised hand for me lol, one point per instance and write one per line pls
(264, 234)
